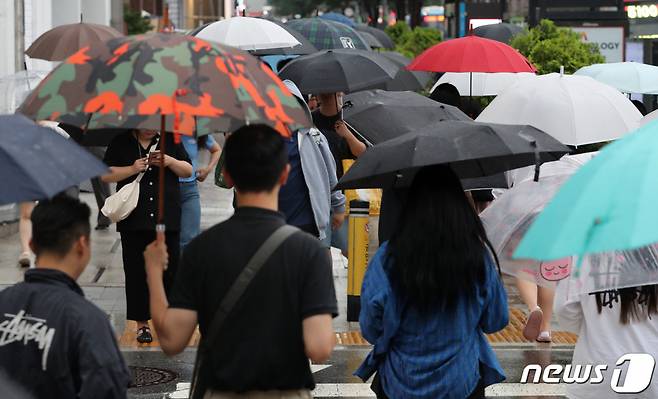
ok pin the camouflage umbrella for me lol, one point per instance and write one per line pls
(131, 82)
(326, 35)
(136, 82)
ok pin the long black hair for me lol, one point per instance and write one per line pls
(637, 303)
(439, 246)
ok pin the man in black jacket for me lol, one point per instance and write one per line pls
(53, 342)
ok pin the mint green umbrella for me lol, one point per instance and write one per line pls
(608, 204)
(627, 77)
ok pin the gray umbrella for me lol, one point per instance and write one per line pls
(502, 32)
(371, 40)
(37, 163)
(383, 115)
(406, 79)
(472, 149)
(378, 33)
(346, 70)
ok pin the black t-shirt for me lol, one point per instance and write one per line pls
(261, 343)
(124, 150)
(338, 145)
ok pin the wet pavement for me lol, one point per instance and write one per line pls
(334, 377)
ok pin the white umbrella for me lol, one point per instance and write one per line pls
(248, 33)
(576, 110)
(627, 77)
(484, 84)
(15, 88)
(650, 117)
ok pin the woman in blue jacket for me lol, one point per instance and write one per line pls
(429, 296)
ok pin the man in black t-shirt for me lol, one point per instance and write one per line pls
(284, 316)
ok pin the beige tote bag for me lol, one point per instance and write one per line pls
(120, 205)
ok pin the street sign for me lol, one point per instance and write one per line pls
(609, 39)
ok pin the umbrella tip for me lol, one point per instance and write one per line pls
(561, 70)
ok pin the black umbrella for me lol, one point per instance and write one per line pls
(37, 163)
(93, 137)
(502, 32)
(499, 180)
(306, 46)
(347, 70)
(472, 149)
(406, 79)
(382, 115)
(378, 33)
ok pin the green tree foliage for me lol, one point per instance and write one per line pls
(411, 42)
(548, 47)
(419, 40)
(135, 23)
(398, 32)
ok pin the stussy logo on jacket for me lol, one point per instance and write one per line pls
(19, 327)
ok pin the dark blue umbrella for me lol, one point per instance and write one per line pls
(336, 17)
(37, 163)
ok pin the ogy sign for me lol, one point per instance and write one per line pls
(610, 40)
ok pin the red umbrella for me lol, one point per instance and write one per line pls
(471, 54)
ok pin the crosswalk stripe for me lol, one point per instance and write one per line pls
(516, 389)
(361, 390)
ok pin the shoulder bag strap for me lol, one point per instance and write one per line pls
(241, 283)
(234, 294)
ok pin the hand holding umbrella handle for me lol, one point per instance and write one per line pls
(359, 135)
(348, 104)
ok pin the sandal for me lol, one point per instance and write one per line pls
(533, 325)
(24, 260)
(544, 336)
(144, 335)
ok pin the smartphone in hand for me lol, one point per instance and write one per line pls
(154, 156)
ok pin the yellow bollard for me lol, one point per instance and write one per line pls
(358, 239)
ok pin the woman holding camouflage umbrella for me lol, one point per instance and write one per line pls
(128, 156)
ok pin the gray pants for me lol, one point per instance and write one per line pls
(292, 394)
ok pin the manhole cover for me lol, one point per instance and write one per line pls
(149, 376)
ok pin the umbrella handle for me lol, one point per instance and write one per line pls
(537, 164)
(533, 144)
(160, 230)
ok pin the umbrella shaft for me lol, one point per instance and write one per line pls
(161, 183)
